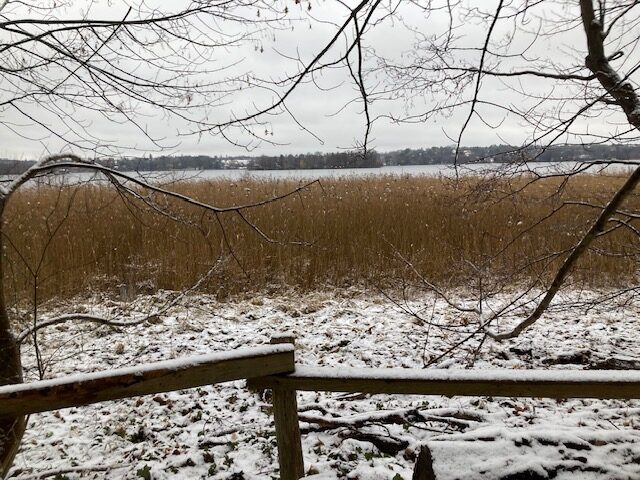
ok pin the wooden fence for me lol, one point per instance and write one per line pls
(77, 390)
(273, 367)
(498, 383)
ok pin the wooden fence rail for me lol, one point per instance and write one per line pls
(273, 366)
(77, 390)
(495, 383)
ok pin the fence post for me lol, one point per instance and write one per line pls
(285, 414)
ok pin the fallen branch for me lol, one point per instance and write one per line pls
(386, 444)
(457, 418)
(83, 317)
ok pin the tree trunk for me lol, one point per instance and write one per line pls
(11, 427)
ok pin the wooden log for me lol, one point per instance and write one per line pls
(84, 389)
(285, 414)
(497, 383)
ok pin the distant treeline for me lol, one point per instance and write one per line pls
(355, 159)
(14, 167)
(345, 159)
(509, 154)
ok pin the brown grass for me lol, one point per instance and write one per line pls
(93, 239)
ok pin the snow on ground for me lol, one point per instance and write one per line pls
(226, 432)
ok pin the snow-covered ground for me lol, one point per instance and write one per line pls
(226, 432)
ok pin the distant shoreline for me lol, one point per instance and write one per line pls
(350, 160)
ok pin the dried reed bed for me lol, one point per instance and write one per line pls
(65, 241)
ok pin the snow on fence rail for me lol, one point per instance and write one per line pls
(273, 366)
(495, 383)
(166, 376)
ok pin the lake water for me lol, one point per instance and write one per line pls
(541, 168)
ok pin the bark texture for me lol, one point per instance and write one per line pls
(11, 426)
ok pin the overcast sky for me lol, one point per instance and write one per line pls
(329, 108)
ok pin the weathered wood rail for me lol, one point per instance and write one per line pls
(495, 383)
(77, 390)
(273, 367)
